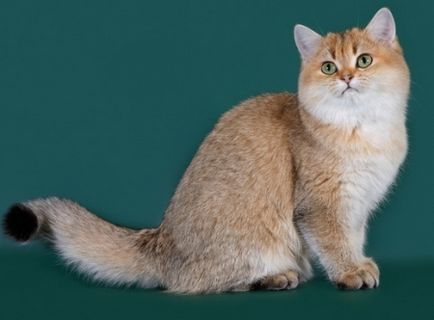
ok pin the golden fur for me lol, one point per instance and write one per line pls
(281, 180)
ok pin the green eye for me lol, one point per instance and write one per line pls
(364, 60)
(328, 68)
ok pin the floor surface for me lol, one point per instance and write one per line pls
(34, 284)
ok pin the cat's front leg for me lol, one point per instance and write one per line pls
(338, 244)
(361, 276)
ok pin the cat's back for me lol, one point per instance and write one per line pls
(246, 156)
(252, 134)
(264, 113)
(255, 134)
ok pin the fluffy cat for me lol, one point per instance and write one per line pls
(281, 180)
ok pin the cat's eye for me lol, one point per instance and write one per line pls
(329, 68)
(364, 61)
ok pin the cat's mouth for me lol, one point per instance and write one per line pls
(349, 89)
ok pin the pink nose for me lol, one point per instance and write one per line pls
(347, 78)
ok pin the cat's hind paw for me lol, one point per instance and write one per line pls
(283, 281)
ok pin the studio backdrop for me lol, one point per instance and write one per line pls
(106, 102)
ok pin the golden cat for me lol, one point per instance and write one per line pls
(283, 179)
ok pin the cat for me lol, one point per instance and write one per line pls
(281, 181)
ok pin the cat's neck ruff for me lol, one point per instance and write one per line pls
(358, 125)
(356, 110)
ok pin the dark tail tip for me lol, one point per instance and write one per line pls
(20, 223)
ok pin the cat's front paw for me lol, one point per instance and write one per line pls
(364, 276)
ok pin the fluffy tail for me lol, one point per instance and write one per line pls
(102, 250)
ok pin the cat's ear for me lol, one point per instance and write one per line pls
(382, 26)
(306, 40)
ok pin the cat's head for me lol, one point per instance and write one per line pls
(353, 76)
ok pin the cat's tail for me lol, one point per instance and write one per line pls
(98, 248)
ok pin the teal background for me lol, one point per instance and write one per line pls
(105, 102)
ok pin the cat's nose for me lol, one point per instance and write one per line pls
(347, 78)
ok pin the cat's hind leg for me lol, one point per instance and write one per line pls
(282, 281)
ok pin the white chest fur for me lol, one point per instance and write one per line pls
(366, 176)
